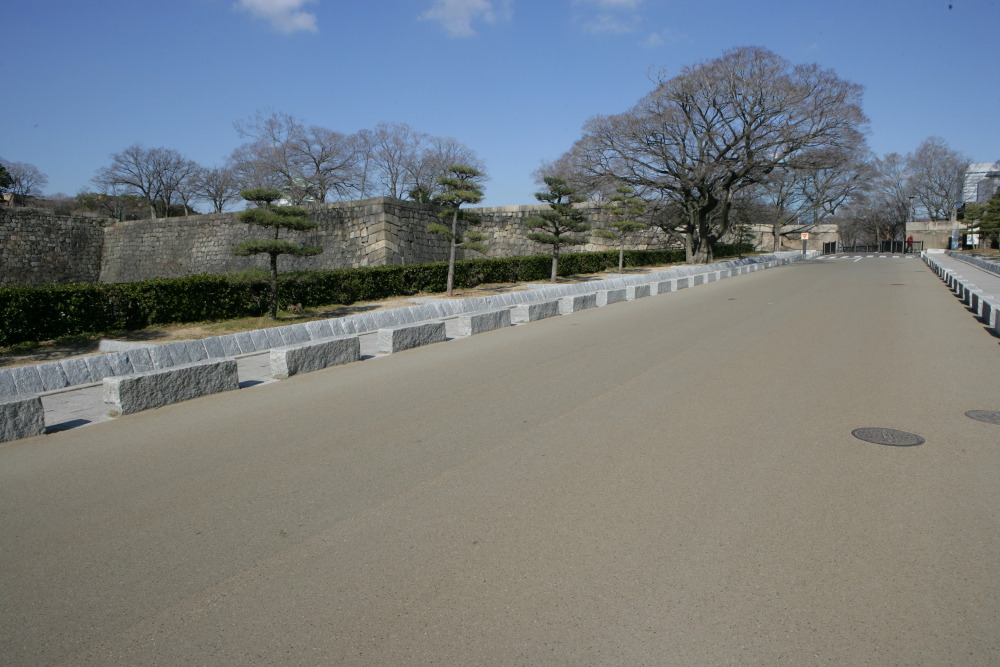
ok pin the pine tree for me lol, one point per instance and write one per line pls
(274, 217)
(624, 209)
(986, 216)
(461, 186)
(555, 227)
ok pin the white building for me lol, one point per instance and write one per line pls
(981, 180)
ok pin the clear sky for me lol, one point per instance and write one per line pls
(512, 79)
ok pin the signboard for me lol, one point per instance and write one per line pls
(805, 236)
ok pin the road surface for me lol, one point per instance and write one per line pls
(666, 481)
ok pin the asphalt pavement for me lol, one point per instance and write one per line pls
(671, 480)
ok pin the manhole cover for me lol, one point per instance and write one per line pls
(887, 436)
(988, 416)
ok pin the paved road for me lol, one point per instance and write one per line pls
(667, 481)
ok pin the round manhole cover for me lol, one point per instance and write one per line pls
(887, 436)
(988, 416)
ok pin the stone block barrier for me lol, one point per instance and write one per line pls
(21, 416)
(532, 312)
(572, 304)
(633, 292)
(406, 337)
(313, 356)
(982, 303)
(608, 296)
(490, 320)
(127, 394)
(129, 359)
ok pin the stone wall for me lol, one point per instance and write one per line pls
(39, 248)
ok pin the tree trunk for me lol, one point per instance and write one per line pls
(776, 235)
(621, 257)
(451, 253)
(555, 263)
(274, 286)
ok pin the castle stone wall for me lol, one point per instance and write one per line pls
(39, 248)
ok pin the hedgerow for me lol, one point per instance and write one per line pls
(54, 311)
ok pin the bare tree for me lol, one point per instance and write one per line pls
(26, 180)
(881, 210)
(716, 128)
(155, 174)
(390, 152)
(306, 163)
(935, 179)
(218, 186)
(437, 157)
(806, 195)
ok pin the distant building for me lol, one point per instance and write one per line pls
(981, 181)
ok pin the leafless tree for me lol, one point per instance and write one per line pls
(306, 163)
(881, 210)
(936, 173)
(217, 186)
(814, 190)
(390, 152)
(27, 180)
(437, 157)
(718, 127)
(155, 174)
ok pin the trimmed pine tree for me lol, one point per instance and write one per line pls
(461, 186)
(271, 216)
(556, 227)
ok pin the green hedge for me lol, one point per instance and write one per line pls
(46, 313)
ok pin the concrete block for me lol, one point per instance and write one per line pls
(153, 389)
(245, 341)
(100, 367)
(53, 377)
(490, 320)
(698, 279)
(179, 353)
(571, 304)
(711, 277)
(160, 356)
(683, 283)
(294, 334)
(634, 292)
(313, 356)
(397, 339)
(213, 347)
(119, 363)
(139, 360)
(7, 386)
(230, 345)
(274, 338)
(664, 286)
(319, 330)
(21, 416)
(77, 371)
(608, 296)
(27, 380)
(531, 312)
(259, 341)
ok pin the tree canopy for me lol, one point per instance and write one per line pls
(721, 126)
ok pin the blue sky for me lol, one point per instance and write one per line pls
(512, 79)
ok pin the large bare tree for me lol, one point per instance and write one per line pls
(721, 126)
(155, 174)
(26, 180)
(880, 211)
(306, 163)
(936, 173)
(217, 186)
